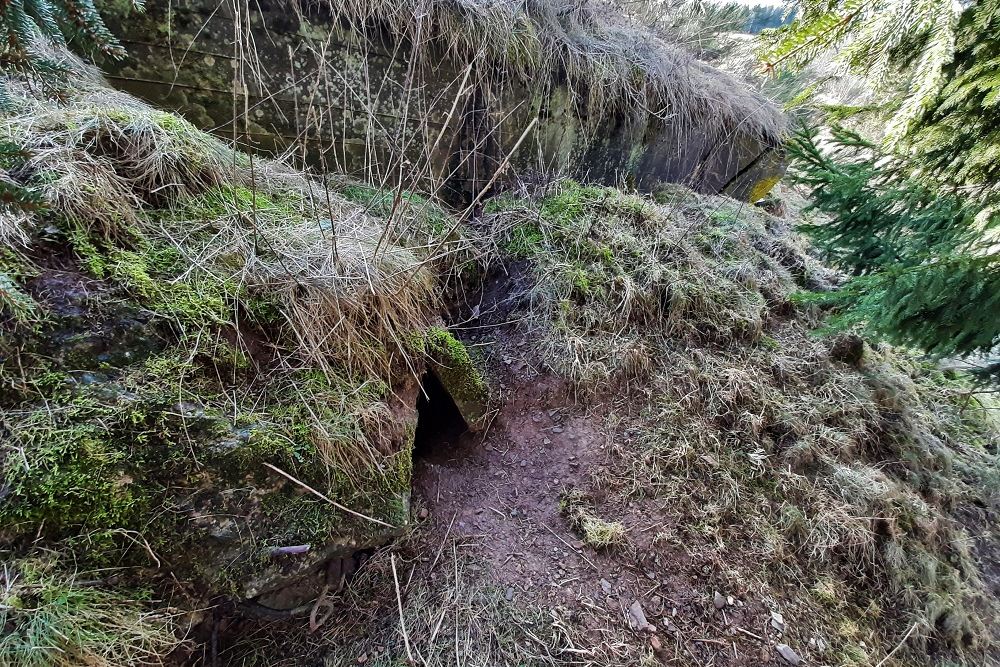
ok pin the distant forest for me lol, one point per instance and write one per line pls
(763, 17)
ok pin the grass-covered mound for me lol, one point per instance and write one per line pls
(824, 471)
(196, 345)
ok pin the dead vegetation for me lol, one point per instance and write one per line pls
(129, 182)
(610, 63)
(770, 445)
(179, 320)
(594, 530)
(790, 461)
(49, 621)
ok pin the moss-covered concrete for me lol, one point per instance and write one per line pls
(458, 374)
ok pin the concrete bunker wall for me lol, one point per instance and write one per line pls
(359, 104)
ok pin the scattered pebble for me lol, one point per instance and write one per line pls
(362, 659)
(509, 594)
(777, 621)
(817, 644)
(786, 652)
(637, 618)
(654, 643)
(719, 600)
(557, 429)
(606, 586)
(423, 513)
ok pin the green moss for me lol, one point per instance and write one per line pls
(524, 240)
(455, 368)
(420, 211)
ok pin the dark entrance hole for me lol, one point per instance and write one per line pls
(439, 423)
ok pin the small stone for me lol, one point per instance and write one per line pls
(777, 621)
(423, 513)
(730, 601)
(524, 463)
(636, 617)
(514, 514)
(509, 594)
(654, 643)
(719, 600)
(606, 586)
(362, 659)
(786, 652)
(557, 429)
(546, 441)
(536, 418)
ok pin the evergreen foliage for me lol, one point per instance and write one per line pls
(27, 23)
(926, 267)
(765, 17)
(958, 138)
(916, 220)
(26, 26)
(902, 46)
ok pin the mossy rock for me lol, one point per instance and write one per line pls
(451, 363)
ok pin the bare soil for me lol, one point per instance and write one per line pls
(498, 494)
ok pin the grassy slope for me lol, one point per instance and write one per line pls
(176, 318)
(828, 465)
(820, 474)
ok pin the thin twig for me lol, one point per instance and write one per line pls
(899, 645)
(327, 498)
(399, 603)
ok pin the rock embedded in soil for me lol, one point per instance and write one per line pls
(637, 617)
(788, 653)
(719, 600)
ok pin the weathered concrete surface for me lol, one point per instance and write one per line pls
(344, 101)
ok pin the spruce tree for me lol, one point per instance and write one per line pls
(919, 224)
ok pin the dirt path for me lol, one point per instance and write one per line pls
(498, 495)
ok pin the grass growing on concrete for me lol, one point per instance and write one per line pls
(184, 316)
(610, 62)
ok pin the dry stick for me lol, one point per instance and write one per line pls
(461, 218)
(326, 498)
(750, 634)
(399, 603)
(427, 162)
(443, 540)
(579, 553)
(899, 645)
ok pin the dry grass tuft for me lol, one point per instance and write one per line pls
(611, 64)
(616, 272)
(147, 198)
(594, 530)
